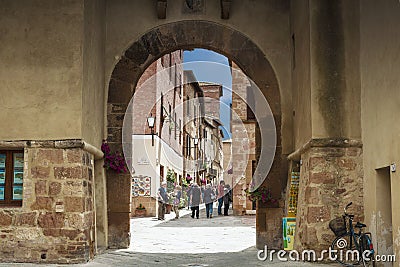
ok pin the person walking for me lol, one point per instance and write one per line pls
(195, 200)
(209, 197)
(188, 193)
(227, 198)
(220, 194)
(177, 200)
(162, 200)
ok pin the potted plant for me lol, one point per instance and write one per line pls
(140, 211)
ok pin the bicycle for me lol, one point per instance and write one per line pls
(350, 248)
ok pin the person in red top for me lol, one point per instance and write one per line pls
(220, 193)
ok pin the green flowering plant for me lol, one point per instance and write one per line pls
(140, 207)
(171, 176)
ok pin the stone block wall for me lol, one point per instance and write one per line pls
(330, 178)
(56, 220)
(269, 227)
(148, 202)
(239, 197)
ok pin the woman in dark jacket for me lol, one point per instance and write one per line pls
(227, 198)
(195, 200)
(209, 197)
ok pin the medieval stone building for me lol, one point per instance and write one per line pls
(328, 69)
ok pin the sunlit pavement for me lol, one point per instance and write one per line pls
(220, 241)
(188, 235)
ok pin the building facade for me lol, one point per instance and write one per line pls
(193, 120)
(158, 155)
(212, 135)
(243, 128)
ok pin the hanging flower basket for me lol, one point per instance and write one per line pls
(113, 160)
(262, 194)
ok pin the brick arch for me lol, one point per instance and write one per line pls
(134, 61)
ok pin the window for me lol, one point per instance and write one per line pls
(187, 106)
(180, 85)
(188, 145)
(11, 177)
(175, 77)
(250, 101)
(161, 173)
(175, 126)
(180, 131)
(195, 114)
(162, 107)
(170, 67)
(170, 119)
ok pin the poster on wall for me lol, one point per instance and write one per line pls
(293, 194)
(18, 160)
(2, 161)
(141, 186)
(2, 176)
(18, 168)
(2, 168)
(17, 192)
(289, 227)
(18, 177)
(1, 192)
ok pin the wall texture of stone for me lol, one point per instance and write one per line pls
(148, 202)
(56, 220)
(331, 177)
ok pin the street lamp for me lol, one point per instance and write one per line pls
(150, 122)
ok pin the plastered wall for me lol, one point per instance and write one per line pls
(380, 109)
(41, 69)
(93, 72)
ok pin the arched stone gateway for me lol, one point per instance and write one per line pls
(336, 64)
(332, 86)
(148, 48)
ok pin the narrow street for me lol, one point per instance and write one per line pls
(187, 235)
(219, 241)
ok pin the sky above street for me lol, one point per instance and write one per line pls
(219, 73)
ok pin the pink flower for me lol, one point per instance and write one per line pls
(114, 161)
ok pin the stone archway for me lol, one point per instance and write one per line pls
(152, 45)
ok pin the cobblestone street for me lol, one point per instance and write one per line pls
(220, 241)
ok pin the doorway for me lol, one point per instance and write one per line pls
(384, 211)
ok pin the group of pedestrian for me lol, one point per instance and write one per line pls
(196, 195)
(208, 195)
(163, 200)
